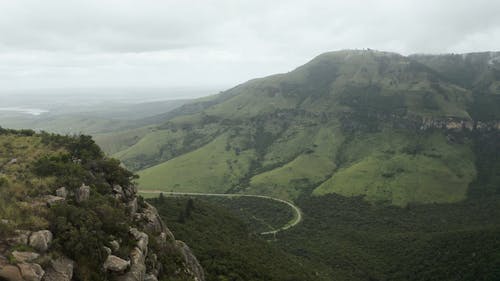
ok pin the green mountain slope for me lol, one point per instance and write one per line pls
(382, 125)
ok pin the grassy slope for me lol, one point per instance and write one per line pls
(279, 119)
(307, 169)
(400, 168)
(17, 182)
(211, 168)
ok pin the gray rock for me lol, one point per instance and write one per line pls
(192, 263)
(60, 269)
(62, 192)
(40, 240)
(31, 271)
(116, 264)
(141, 238)
(115, 245)
(107, 250)
(132, 206)
(150, 277)
(21, 237)
(137, 270)
(151, 221)
(118, 192)
(130, 191)
(10, 273)
(82, 193)
(25, 256)
(51, 200)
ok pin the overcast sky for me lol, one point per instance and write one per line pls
(183, 43)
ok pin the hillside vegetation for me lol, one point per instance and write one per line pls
(66, 210)
(227, 249)
(394, 129)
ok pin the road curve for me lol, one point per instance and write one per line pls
(297, 218)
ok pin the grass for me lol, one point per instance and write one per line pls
(17, 152)
(211, 168)
(310, 168)
(386, 167)
(114, 142)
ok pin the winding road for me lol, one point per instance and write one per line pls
(297, 218)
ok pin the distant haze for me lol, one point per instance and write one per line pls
(217, 44)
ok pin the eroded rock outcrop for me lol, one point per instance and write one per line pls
(25, 256)
(116, 264)
(82, 193)
(31, 271)
(60, 269)
(193, 266)
(40, 240)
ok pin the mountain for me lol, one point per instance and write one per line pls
(391, 128)
(67, 212)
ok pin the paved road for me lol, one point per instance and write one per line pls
(297, 218)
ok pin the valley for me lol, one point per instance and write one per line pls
(359, 165)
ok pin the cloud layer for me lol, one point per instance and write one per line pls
(153, 43)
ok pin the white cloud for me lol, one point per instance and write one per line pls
(142, 43)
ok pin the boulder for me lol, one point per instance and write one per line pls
(10, 273)
(21, 237)
(40, 240)
(25, 256)
(60, 269)
(141, 238)
(150, 277)
(116, 264)
(62, 192)
(115, 245)
(151, 220)
(51, 200)
(31, 271)
(107, 250)
(82, 193)
(118, 191)
(137, 270)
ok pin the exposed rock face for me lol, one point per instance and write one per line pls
(60, 269)
(152, 223)
(82, 193)
(62, 192)
(132, 206)
(31, 271)
(115, 245)
(25, 256)
(137, 270)
(116, 264)
(40, 240)
(10, 273)
(193, 265)
(150, 277)
(21, 237)
(413, 122)
(141, 238)
(51, 200)
(118, 192)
